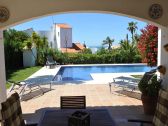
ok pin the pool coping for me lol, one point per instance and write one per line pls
(138, 64)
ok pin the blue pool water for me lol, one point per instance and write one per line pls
(73, 73)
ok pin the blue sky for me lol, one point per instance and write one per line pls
(92, 28)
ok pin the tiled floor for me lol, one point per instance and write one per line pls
(120, 106)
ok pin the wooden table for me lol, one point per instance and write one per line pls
(98, 117)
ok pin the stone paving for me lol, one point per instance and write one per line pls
(120, 106)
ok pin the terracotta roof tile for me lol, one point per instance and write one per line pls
(63, 25)
(79, 46)
(69, 50)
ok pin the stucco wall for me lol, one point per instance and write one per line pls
(24, 10)
(2, 71)
(162, 54)
(58, 38)
(29, 57)
(66, 37)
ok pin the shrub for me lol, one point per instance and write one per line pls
(115, 56)
(87, 51)
(13, 46)
(137, 59)
(148, 45)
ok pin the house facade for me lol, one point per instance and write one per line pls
(59, 37)
(62, 35)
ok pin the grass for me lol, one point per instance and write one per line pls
(20, 74)
(137, 76)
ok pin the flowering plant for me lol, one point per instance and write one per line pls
(148, 45)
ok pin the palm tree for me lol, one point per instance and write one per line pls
(136, 37)
(126, 38)
(124, 45)
(132, 28)
(108, 42)
(127, 50)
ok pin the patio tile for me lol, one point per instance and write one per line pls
(120, 106)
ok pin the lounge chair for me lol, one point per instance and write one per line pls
(11, 112)
(23, 85)
(126, 82)
(50, 62)
(73, 102)
(130, 82)
(161, 114)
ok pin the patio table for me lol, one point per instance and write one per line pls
(98, 117)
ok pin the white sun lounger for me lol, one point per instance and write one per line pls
(132, 82)
(126, 82)
(23, 85)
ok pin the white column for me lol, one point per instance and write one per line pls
(162, 54)
(3, 93)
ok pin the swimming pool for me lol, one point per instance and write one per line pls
(75, 73)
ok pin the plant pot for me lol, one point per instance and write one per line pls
(149, 104)
(162, 69)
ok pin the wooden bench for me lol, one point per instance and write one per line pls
(73, 102)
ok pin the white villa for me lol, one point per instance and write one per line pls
(60, 35)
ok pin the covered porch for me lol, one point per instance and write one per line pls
(97, 95)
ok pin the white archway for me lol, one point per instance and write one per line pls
(24, 10)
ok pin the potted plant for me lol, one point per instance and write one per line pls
(150, 89)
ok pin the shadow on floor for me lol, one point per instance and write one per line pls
(129, 93)
(35, 93)
(120, 114)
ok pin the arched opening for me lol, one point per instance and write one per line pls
(94, 31)
(91, 29)
(106, 12)
(36, 15)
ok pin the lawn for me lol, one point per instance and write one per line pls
(137, 76)
(20, 74)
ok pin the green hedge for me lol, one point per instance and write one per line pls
(87, 58)
(94, 58)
